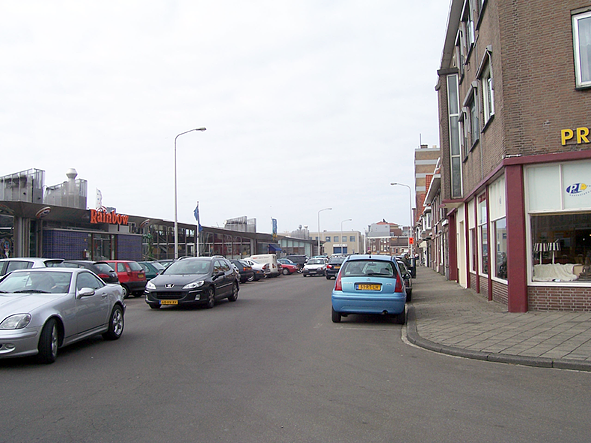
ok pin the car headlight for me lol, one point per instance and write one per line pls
(194, 285)
(150, 285)
(16, 321)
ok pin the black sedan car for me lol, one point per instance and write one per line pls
(100, 268)
(333, 266)
(407, 277)
(245, 270)
(193, 281)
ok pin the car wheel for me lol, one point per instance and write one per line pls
(210, 296)
(401, 318)
(234, 295)
(251, 278)
(409, 296)
(285, 271)
(125, 291)
(48, 342)
(336, 316)
(116, 324)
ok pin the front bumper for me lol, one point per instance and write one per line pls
(175, 298)
(19, 342)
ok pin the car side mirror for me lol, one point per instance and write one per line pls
(86, 292)
(218, 274)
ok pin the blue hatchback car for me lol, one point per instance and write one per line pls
(369, 284)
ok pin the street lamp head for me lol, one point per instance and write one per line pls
(200, 129)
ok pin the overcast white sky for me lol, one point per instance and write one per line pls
(308, 104)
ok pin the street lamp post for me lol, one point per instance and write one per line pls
(349, 219)
(325, 209)
(176, 224)
(411, 228)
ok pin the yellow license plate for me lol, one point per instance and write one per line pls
(169, 302)
(367, 287)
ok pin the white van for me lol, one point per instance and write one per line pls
(270, 259)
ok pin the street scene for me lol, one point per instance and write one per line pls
(273, 367)
(295, 221)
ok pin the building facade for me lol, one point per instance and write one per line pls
(387, 238)
(340, 242)
(54, 222)
(514, 94)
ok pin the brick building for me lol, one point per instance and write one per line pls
(514, 93)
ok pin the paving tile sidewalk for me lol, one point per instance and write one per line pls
(444, 317)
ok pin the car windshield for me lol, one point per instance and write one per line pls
(316, 261)
(362, 268)
(336, 260)
(36, 282)
(183, 267)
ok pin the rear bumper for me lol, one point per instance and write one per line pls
(368, 303)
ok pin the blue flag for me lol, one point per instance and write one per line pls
(196, 214)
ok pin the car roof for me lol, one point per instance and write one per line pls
(370, 257)
(32, 259)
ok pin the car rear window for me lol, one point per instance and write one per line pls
(363, 268)
(103, 267)
(134, 266)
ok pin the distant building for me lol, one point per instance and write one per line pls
(387, 238)
(340, 242)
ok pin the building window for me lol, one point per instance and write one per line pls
(336, 238)
(327, 238)
(483, 234)
(468, 24)
(488, 107)
(500, 233)
(352, 238)
(453, 109)
(561, 247)
(471, 114)
(582, 47)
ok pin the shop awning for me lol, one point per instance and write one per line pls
(274, 248)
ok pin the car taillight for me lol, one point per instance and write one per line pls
(398, 287)
(329, 266)
(338, 286)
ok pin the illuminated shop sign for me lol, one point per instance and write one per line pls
(580, 134)
(108, 217)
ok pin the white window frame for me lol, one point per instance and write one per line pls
(582, 67)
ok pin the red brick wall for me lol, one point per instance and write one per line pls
(559, 298)
(500, 294)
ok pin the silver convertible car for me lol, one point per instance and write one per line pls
(44, 309)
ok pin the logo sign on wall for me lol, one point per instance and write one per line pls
(577, 189)
(108, 217)
(43, 212)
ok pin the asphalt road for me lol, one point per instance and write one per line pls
(272, 367)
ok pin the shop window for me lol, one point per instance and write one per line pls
(500, 233)
(561, 247)
(483, 235)
(582, 48)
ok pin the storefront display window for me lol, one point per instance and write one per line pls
(561, 247)
(500, 229)
(483, 231)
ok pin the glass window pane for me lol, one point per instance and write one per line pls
(501, 248)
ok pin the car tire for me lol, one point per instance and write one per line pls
(116, 324)
(285, 272)
(125, 291)
(409, 296)
(48, 342)
(400, 318)
(210, 297)
(336, 316)
(234, 296)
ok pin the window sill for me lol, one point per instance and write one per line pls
(487, 124)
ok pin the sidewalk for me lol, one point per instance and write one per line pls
(444, 317)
